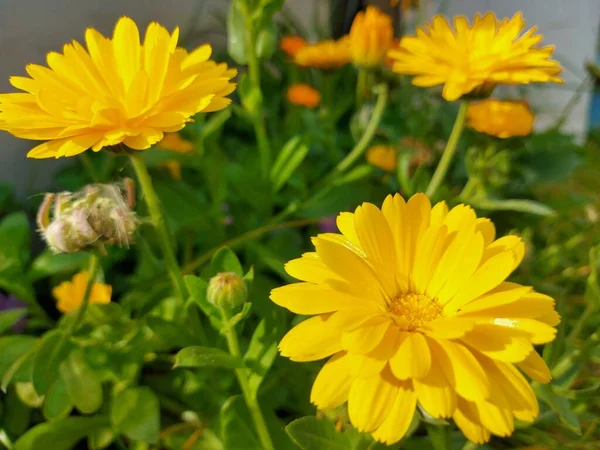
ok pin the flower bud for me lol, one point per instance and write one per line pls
(228, 292)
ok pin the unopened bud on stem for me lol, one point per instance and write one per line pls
(228, 292)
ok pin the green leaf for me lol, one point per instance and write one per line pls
(261, 353)
(550, 166)
(288, 160)
(14, 239)
(560, 405)
(215, 123)
(358, 173)
(57, 404)
(311, 433)
(52, 350)
(13, 349)
(197, 356)
(83, 386)
(135, 412)
(48, 263)
(266, 41)
(526, 206)
(169, 334)
(225, 260)
(237, 431)
(250, 95)
(101, 438)
(61, 434)
(10, 317)
(236, 29)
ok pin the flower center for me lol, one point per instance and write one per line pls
(411, 311)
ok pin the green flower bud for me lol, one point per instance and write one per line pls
(228, 292)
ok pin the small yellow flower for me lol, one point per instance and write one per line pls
(69, 294)
(475, 57)
(325, 54)
(410, 303)
(499, 118)
(118, 91)
(303, 95)
(175, 143)
(383, 156)
(291, 44)
(371, 36)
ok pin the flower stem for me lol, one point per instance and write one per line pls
(365, 140)
(249, 397)
(438, 435)
(449, 151)
(258, 120)
(92, 270)
(158, 221)
(361, 86)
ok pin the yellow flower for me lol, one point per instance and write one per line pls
(371, 36)
(383, 156)
(477, 57)
(291, 44)
(411, 305)
(303, 95)
(69, 294)
(118, 91)
(500, 118)
(324, 55)
(175, 143)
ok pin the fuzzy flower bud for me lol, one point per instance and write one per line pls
(97, 215)
(228, 292)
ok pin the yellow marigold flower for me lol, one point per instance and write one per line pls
(500, 118)
(325, 54)
(371, 36)
(291, 44)
(69, 294)
(175, 143)
(118, 91)
(410, 304)
(475, 57)
(383, 156)
(303, 95)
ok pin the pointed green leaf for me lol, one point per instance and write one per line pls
(135, 412)
(83, 386)
(52, 350)
(197, 356)
(311, 433)
(57, 404)
(61, 434)
(225, 260)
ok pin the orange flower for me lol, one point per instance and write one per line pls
(69, 294)
(383, 156)
(499, 118)
(291, 44)
(175, 143)
(325, 54)
(303, 95)
(371, 36)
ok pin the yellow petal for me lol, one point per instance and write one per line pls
(345, 223)
(540, 332)
(517, 391)
(400, 416)
(448, 328)
(127, 50)
(435, 393)
(464, 370)
(413, 358)
(367, 336)
(371, 400)
(499, 343)
(467, 419)
(332, 385)
(309, 268)
(309, 299)
(535, 367)
(311, 340)
(487, 229)
(498, 420)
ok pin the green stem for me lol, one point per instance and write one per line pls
(158, 221)
(365, 140)
(361, 87)
(87, 165)
(92, 270)
(568, 109)
(449, 151)
(258, 120)
(249, 397)
(468, 190)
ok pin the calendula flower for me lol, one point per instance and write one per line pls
(472, 58)
(175, 143)
(118, 91)
(303, 95)
(411, 305)
(69, 294)
(324, 55)
(291, 44)
(370, 38)
(499, 118)
(383, 156)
